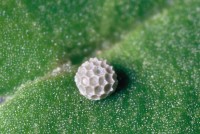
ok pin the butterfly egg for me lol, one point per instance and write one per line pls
(96, 79)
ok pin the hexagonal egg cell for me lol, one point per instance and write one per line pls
(109, 78)
(103, 96)
(85, 81)
(99, 71)
(94, 81)
(102, 80)
(95, 61)
(81, 71)
(90, 73)
(98, 90)
(107, 88)
(95, 97)
(88, 66)
(109, 70)
(89, 91)
(104, 64)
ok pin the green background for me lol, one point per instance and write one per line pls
(152, 44)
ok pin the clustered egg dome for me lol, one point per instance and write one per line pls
(96, 79)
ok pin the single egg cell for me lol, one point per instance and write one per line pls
(96, 79)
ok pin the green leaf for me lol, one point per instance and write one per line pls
(24, 51)
(37, 36)
(80, 27)
(157, 63)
